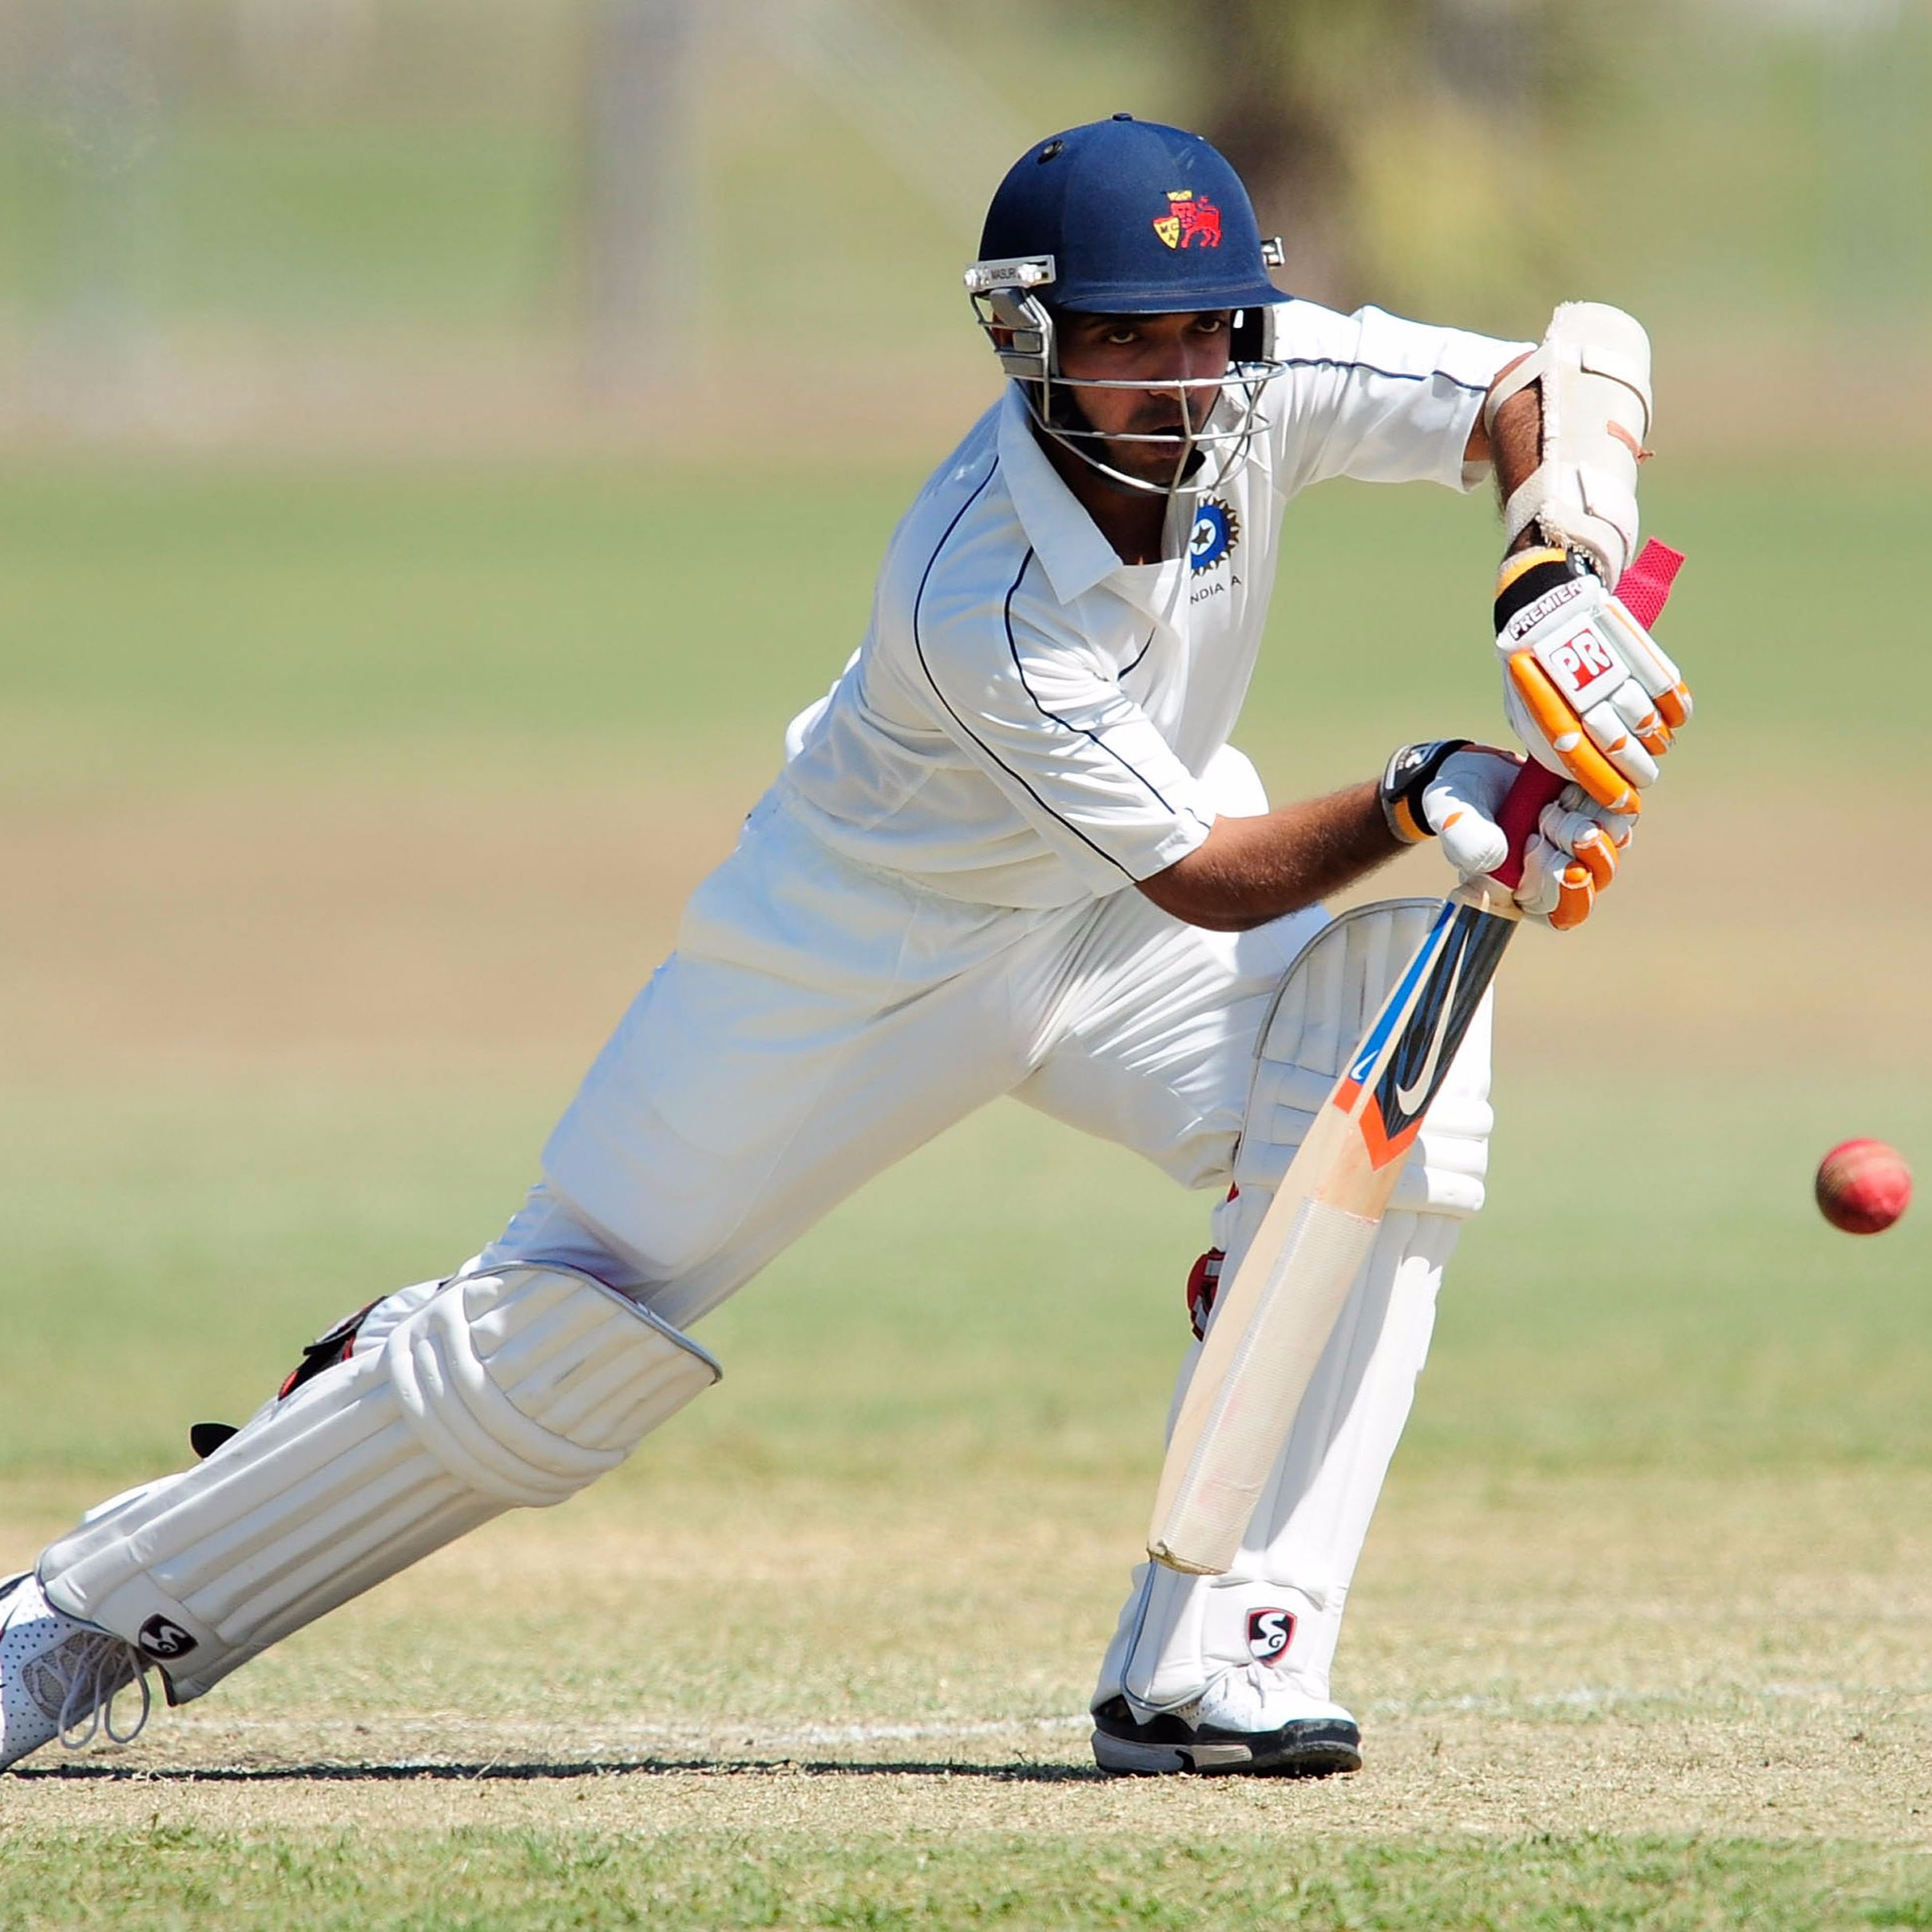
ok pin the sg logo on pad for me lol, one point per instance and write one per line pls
(160, 1636)
(1269, 1634)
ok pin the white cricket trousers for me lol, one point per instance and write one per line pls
(817, 1020)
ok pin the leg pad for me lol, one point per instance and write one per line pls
(513, 1388)
(1273, 1620)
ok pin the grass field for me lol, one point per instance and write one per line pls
(346, 811)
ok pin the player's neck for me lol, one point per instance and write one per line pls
(1133, 520)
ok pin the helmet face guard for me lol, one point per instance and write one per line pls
(1126, 217)
(1221, 415)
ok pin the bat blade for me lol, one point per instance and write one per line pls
(1221, 1455)
(1273, 1320)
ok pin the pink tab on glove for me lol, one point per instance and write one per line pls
(1643, 589)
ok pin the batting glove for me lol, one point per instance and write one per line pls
(1584, 686)
(1453, 790)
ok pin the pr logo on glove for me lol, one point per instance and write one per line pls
(1584, 685)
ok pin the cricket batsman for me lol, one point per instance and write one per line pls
(1012, 852)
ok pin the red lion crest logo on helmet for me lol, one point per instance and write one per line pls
(1189, 220)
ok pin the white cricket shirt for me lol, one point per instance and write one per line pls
(1028, 720)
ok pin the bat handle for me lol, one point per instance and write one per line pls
(1536, 785)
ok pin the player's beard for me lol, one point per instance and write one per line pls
(1162, 466)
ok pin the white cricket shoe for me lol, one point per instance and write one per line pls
(57, 1675)
(1247, 1720)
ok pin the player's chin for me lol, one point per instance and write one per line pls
(1157, 460)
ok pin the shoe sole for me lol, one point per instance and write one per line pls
(1316, 1752)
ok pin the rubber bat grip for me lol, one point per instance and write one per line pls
(1522, 806)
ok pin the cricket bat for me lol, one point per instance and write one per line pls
(1273, 1320)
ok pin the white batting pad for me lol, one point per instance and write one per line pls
(515, 1387)
(1594, 370)
(1335, 987)
(1275, 1617)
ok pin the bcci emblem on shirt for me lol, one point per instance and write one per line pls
(1216, 531)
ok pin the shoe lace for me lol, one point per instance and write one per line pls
(100, 1667)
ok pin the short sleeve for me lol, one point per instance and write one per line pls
(1373, 397)
(1077, 758)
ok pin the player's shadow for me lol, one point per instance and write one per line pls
(543, 1773)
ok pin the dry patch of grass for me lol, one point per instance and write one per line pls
(1743, 1658)
(489, 926)
(477, 925)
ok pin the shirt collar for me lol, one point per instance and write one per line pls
(1071, 551)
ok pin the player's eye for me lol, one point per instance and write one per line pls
(1210, 325)
(1119, 338)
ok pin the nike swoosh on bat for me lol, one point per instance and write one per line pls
(1410, 1098)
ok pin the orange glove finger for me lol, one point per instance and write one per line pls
(1641, 719)
(1598, 857)
(1674, 704)
(1575, 895)
(1562, 726)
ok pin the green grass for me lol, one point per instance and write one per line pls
(1011, 1293)
(496, 1881)
(191, 624)
(182, 626)
(305, 226)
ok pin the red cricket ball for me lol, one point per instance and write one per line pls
(1863, 1186)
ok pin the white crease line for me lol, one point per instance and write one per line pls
(992, 1727)
(688, 1737)
(560, 1735)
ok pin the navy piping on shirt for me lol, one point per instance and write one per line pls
(1394, 375)
(1025, 563)
(919, 652)
(1144, 650)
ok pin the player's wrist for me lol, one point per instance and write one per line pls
(1533, 573)
(1410, 770)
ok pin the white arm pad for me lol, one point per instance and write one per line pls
(517, 1387)
(1331, 993)
(1594, 370)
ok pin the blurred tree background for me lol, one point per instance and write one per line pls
(477, 225)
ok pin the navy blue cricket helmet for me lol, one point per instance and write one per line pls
(1126, 217)
(1140, 218)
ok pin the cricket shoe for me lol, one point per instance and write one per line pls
(1230, 1729)
(59, 1677)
